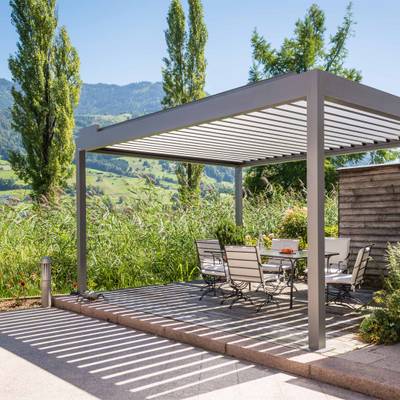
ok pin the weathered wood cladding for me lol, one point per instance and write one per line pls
(369, 212)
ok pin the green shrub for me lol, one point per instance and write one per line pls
(229, 234)
(331, 231)
(380, 328)
(383, 325)
(294, 225)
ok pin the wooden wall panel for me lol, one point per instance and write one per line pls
(369, 212)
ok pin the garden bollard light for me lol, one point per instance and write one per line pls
(45, 283)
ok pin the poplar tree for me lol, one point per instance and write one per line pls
(184, 75)
(45, 72)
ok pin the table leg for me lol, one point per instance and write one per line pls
(292, 274)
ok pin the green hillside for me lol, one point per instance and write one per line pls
(106, 104)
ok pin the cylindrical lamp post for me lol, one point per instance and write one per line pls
(45, 283)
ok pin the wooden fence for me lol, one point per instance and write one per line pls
(369, 212)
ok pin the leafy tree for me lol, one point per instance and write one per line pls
(46, 90)
(306, 50)
(184, 76)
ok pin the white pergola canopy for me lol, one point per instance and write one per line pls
(259, 123)
(292, 117)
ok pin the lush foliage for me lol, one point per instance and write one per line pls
(305, 51)
(294, 225)
(228, 233)
(184, 76)
(383, 325)
(45, 71)
(143, 241)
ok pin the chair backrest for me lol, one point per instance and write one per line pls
(208, 251)
(338, 245)
(244, 264)
(360, 266)
(279, 244)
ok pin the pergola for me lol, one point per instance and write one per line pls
(292, 117)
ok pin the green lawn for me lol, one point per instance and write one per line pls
(117, 186)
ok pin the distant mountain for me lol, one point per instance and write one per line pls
(100, 103)
(135, 99)
(5, 94)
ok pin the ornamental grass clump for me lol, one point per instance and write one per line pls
(147, 239)
(382, 326)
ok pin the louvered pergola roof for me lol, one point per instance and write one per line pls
(291, 117)
(259, 123)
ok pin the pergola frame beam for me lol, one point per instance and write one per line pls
(249, 113)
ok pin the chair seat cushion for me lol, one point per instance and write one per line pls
(270, 277)
(211, 268)
(274, 268)
(340, 279)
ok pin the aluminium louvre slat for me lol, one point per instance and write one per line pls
(267, 122)
(251, 124)
(330, 119)
(284, 112)
(354, 136)
(257, 118)
(272, 142)
(198, 150)
(376, 129)
(356, 111)
(240, 133)
(255, 131)
(229, 135)
(210, 156)
(254, 127)
(294, 108)
(333, 137)
(229, 138)
(243, 128)
(355, 128)
(222, 147)
(232, 132)
(209, 150)
(294, 136)
(215, 151)
(280, 113)
(365, 125)
(360, 139)
(301, 105)
(361, 115)
(278, 137)
(217, 140)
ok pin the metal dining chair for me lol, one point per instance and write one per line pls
(341, 287)
(244, 269)
(211, 265)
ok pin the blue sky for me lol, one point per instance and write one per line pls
(122, 41)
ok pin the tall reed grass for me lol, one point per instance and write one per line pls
(138, 242)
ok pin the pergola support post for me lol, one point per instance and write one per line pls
(315, 228)
(239, 196)
(81, 218)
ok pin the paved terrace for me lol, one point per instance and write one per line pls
(275, 337)
(56, 354)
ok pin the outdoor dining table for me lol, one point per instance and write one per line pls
(293, 258)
